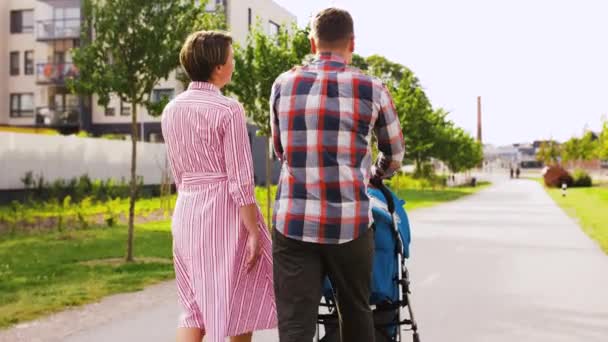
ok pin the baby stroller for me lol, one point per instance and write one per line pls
(390, 277)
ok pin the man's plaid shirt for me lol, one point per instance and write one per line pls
(322, 119)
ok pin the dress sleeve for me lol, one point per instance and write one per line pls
(237, 153)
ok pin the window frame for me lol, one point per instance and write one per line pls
(19, 112)
(16, 22)
(277, 26)
(123, 108)
(28, 65)
(14, 63)
(157, 98)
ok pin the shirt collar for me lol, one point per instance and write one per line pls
(203, 86)
(329, 59)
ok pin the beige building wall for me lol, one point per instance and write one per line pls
(4, 60)
(262, 12)
(238, 16)
(20, 42)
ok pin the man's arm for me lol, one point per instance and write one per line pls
(274, 119)
(390, 138)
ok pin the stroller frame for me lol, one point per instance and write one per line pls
(403, 283)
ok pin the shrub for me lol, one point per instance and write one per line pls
(78, 188)
(556, 176)
(404, 181)
(582, 179)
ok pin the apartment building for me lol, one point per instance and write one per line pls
(36, 38)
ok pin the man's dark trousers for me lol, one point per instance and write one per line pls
(299, 270)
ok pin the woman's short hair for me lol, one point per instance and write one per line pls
(202, 52)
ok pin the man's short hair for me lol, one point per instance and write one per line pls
(332, 27)
(202, 52)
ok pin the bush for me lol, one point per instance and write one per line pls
(556, 176)
(80, 188)
(582, 179)
(404, 181)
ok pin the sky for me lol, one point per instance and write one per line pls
(540, 66)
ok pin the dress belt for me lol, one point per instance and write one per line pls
(202, 178)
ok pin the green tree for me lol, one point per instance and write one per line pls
(602, 145)
(389, 72)
(548, 152)
(577, 149)
(359, 61)
(135, 44)
(421, 124)
(427, 132)
(570, 149)
(257, 65)
(458, 149)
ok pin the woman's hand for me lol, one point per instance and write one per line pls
(249, 217)
(253, 250)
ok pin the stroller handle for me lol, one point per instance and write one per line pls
(379, 184)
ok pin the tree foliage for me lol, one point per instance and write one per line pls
(577, 149)
(602, 144)
(134, 45)
(259, 63)
(549, 152)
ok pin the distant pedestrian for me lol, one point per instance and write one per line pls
(511, 172)
(517, 172)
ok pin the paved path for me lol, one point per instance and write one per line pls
(507, 265)
(503, 265)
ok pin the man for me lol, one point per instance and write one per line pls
(323, 116)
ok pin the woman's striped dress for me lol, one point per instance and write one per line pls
(210, 156)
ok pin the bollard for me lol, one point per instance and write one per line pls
(564, 188)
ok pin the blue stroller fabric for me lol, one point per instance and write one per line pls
(385, 268)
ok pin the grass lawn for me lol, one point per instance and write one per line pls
(44, 273)
(416, 198)
(41, 273)
(590, 207)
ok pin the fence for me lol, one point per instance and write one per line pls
(66, 157)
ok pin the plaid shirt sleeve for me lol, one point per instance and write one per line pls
(390, 138)
(275, 93)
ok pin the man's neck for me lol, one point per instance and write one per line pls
(340, 53)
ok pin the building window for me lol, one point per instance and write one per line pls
(156, 137)
(159, 94)
(273, 28)
(14, 63)
(22, 21)
(125, 110)
(249, 18)
(28, 62)
(22, 105)
(110, 111)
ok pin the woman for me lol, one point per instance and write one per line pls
(221, 247)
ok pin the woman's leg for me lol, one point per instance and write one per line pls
(241, 338)
(189, 335)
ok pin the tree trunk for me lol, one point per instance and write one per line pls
(268, 182)
(133, 192)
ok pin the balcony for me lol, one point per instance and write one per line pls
(55, 73)
(58, 117)
(56, 29)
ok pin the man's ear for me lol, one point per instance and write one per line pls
(313, 46)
